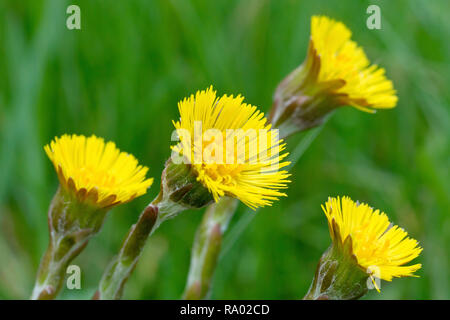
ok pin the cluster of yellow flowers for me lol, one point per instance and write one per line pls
(336, 72)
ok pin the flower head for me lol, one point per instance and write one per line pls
(363, 85)
(232, 149)
(380, 247)
(96, 171)
(336, 72)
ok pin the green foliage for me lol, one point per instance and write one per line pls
(121, 77)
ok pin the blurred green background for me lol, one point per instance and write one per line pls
(121, 77)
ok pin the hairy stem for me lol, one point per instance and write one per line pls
(206, 248)
(71, 225)
(119, 270)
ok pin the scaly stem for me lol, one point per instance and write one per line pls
(71, 225)
(52, 269)
(119, 270)
(206, 248)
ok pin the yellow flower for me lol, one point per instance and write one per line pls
(96, 171)
(239, 155)
(365, 86)
(380, 247)
(335, 73)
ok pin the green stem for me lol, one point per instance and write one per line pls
(71, 225)
(52, 269)
(119, 270)
(206, 248)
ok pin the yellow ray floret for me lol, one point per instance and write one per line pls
(232, 148)
(366, 86)
(95, 170)
(379, 246)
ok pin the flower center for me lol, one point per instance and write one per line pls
(368, 247)
(223, 173)
(88, 175)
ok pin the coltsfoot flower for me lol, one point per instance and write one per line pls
(365, 244)
(97, 172)
(94, 176)
(335, 73)
(225, 148)
(231, 149)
